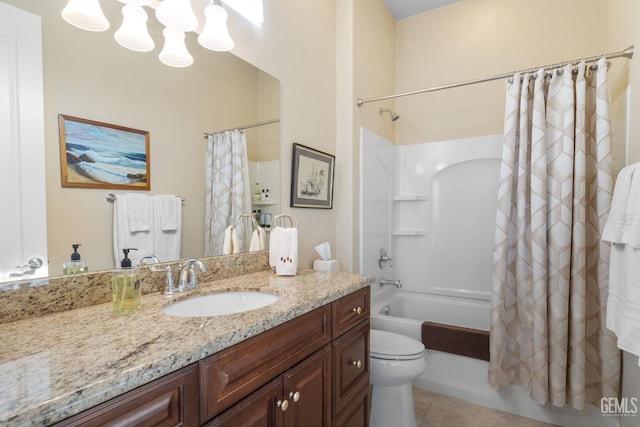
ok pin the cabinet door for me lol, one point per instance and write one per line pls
(356, 413)
(260, 409)
(171, 401)
(350, 366)
(307, 388)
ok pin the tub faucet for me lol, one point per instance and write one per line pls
(387, 282)
(188, 275)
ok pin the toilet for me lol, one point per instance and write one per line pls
(396, 360)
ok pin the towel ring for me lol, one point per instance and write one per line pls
(284, 218)
(254, 222)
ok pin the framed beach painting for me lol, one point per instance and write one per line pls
(311, 178)
(101, 155)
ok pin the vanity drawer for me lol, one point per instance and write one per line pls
(350, 366)
(233, 373)
(350, 310)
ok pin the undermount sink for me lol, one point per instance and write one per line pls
(220, 304)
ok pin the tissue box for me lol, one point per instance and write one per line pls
(326, 265)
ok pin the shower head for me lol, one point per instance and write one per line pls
(393, 115)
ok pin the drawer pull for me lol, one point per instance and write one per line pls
(356, 363)
(282, 404)
(357, 310)
(295, 396)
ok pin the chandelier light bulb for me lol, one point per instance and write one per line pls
(177, 14)
(215, 34)
(86, 15)
(133, 33)
(175, 53)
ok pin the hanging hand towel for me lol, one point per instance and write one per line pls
(287, 255)
(167, 227)
(230, 244)
(617, 221)
(138, 212)
(274, 239)
(258, 240)
(168, 209)
(123, 237)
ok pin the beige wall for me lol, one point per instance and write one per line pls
(476, 39)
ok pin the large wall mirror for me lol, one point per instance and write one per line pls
(88, 75)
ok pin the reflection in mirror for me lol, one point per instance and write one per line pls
(88, 75)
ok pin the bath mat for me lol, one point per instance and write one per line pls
(455, 339)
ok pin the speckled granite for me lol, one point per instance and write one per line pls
(57, 365)
(23, 300)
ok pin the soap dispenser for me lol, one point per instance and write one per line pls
(125, 283)
(76, 264)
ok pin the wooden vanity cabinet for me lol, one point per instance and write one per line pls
(171, 401)
(333, 383)
(312, 371)
(299, 397)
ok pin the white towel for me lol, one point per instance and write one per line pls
(273, 246)
(623, 230)
(230, 244)
(287, 252)
(169, 209)
(167, 227)
(138, 212)
(258, 240)
(123, 237)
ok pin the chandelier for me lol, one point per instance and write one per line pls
(176, 15)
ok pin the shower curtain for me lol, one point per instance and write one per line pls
(550, 269)
(228, 191)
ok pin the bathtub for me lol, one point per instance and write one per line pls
(402, 311)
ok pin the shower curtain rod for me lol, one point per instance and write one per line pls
(627, 53)
(253, 125)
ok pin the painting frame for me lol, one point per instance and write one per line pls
(312, 174)
(102, 155)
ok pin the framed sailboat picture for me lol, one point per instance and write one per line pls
(102, 155)
(311, 178)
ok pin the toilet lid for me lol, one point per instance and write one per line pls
(388, 345)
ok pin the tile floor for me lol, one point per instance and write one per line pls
(437, 410)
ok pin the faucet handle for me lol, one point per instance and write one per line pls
(383, 259)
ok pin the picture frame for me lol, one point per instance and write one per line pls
(102, 155)
(312, 173)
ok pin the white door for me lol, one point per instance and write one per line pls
(23, 224)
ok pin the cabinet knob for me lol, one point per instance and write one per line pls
(357, 310)
(282, 404)
(295, 396)
(356, 363)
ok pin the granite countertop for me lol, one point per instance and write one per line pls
(57, 365)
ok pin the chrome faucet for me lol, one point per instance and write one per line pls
(149, 259)
(188, 278)
(169, 284)
(386, 282)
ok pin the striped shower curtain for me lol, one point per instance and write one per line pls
(550, 269)
(228, 190)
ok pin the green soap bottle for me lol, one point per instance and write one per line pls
(76, 264)
(125, 285)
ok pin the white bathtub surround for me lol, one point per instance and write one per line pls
(547, 318)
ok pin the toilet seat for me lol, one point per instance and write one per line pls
(390, 346)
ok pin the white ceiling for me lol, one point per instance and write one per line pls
(404, 8)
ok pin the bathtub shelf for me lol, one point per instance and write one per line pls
(410, 232)
(410, 197)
